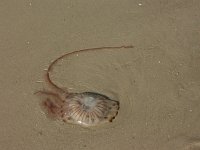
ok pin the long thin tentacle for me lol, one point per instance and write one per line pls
(47, 75)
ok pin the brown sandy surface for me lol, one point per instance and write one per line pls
(157, 82)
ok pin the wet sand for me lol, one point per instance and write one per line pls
(157, 82)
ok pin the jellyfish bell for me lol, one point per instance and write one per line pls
(86, 109)
(90, 109)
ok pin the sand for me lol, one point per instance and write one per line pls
(157, 82)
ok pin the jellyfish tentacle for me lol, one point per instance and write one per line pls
(50, 68)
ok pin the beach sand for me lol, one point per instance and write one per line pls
(157, 82)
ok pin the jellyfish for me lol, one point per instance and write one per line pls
(85, 109)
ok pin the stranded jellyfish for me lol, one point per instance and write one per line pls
(86, 109)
